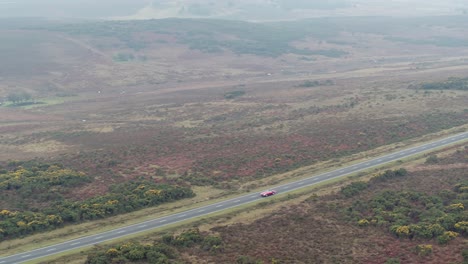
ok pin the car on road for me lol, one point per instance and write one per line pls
(268, 193)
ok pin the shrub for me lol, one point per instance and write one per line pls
(456, 207)
(390, 174)
(353, 188)
(212, 243)
(433, 159)
(465, 256)
(462, 227)
(363, 222)
(402, 231)
(392, 261)
(424, 250)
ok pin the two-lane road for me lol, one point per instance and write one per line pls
(219, 206)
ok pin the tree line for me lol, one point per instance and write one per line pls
(19, 97)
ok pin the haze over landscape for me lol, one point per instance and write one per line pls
(261, 131)
(228, 9)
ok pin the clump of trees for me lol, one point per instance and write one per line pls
(164, 250)
(21, 97)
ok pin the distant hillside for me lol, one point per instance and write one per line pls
(225, 9)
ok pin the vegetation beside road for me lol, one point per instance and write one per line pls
(38, 192)
(164, 250)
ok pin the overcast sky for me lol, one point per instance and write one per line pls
(225, 8)
(70, 8)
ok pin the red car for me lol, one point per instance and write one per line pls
(268, 193)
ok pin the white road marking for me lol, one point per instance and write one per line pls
(49, 250)
(202, 210)
(142, 226)
(237, 201)
(99, 237)
(76, 243)
(162, 221)
(120, 232)
(219, 205)
(183, 215)
(25, 256)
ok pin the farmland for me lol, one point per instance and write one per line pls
(183, 105)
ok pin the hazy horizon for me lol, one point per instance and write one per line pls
(242, 9)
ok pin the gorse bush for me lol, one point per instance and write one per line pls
(41, 182)
(164, 250)
(353, 188)
(40, 177)
(414, 215)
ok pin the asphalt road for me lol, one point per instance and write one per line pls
(234, 202)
